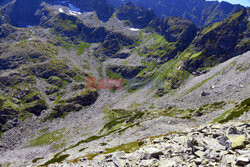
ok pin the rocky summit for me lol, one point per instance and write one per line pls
(107, 83)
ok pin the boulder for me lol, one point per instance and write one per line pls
(243, 160)
(238, 141)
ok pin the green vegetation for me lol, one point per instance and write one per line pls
(59, 146)
(140, 33)
(44, 130)
(208, 29)
(229, 67)
(47, 49)
(82, 47)
(37, 159)
(82, 149)
(191, 113)
(160, 47)
(243, 67)
(47, 138)
(196, 55)
(120, 118)
(113, 15)
(236, 112)
(235, 16)
(127, 148)
(56, 159)
(112, 75)
(65, 26)
(99, 69)
(125, 62)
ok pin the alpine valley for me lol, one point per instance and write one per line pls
(183, 97)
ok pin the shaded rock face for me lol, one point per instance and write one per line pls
(127, 72)
(113, 43)
(23, 13)
(201, 12)
(138, 16)
(103, 10)
(72, 27)
(74, 103)
(221, 41)
(175, 29)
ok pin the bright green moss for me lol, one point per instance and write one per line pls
(236, 112)
(113, 15)
(140, 34)
(47, 138)
(127, 148)
(118, 118)
(210, 28)
(82, 47)
(194, 56)
(113, 75)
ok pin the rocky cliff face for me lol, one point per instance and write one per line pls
(139, 17)
(102, 8)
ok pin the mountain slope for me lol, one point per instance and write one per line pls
(221, 41)
(148, 79)
(201, 12)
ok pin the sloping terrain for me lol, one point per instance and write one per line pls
(175, 76)
(201, 12)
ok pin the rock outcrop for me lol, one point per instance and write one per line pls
(137, 17)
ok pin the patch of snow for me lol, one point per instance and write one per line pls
(134, 29)
(73, 8)
(73, 13)
(61, 10)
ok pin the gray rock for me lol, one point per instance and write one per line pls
(222, 140)
(116, 161)
(233, 130)
(198, 161)
(242, 161)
